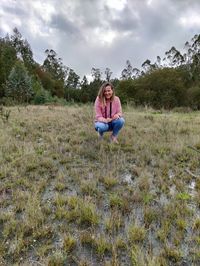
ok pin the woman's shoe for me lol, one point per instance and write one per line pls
(100, 136)
(114, 139)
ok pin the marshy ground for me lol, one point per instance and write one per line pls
(68, 199)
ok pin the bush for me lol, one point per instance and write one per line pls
(182, 109)
(193, 96)
(42, 97)
(18, 85)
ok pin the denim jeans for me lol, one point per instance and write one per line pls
(113, 126)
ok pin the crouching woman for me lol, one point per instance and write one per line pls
(108, 112)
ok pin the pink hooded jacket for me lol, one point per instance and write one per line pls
(111, 108)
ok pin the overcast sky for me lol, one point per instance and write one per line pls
(102, 33)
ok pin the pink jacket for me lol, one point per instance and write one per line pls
(109, 110)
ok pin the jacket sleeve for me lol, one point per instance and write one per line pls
(118, 107)
(98, 111)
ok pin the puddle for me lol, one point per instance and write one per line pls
(49, 192)
(163, 200)
(171, 174)
(192, 185)
(127, 179)
(172, 190)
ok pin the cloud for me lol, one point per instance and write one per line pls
(102, 33)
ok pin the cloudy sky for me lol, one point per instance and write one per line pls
(102, 33)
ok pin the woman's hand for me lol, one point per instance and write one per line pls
(108, 120)
(115, 117)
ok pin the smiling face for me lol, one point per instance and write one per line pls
(108, 92)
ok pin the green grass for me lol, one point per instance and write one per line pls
(64, 199)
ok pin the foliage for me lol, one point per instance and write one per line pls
(4, 114)
(41, 95)
(193, 96)
(72, 81)
(126, 90)
(160, 88)
(7, 60)
(23, 49)
(172, 81)
(45, 78)
(54, 66)
(18, 85)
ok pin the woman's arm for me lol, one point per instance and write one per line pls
(98, 112)
(118, 113)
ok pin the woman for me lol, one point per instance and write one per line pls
(108, 112)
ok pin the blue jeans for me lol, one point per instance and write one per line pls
(113, 126)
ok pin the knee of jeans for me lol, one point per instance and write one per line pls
(121, 121)
(101, 128)
(98, 129)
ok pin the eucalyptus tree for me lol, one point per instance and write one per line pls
(148, 67)
(196, 57)
(161, 88)
(84, 95)
(18, 85)
(174, 57)
(127, 71)
(192, 58)
(108, 74)
(55, 66)
(72, 80)
(7, 60)
(130, 72)
(136, 73)
(158, 62)
(96, 73)
(23, 49)
(84, 82)
(72, 86)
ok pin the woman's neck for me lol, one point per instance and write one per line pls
(108, 100)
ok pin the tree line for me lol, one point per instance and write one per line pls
(172, 81)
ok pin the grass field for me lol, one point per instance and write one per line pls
(68, 199)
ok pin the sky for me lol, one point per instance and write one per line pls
(102, 33)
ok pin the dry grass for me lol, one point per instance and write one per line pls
(68, 199)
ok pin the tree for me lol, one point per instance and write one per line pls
(195, 52)
(40, 94)
(18, 86)
(7, 60)
(58, 89)
(174, 57)
(130, 72)
(23, 49)
(158, 62)
(135, 73)
(108, 74)
(126, 90)
(46, 79)
(84, 90)
(127, 71)
(72, 81)
(54, 66)
(148, 67)
(92, 89)
(193, 97)
(84, 83)
(96, 73)
(161, 88)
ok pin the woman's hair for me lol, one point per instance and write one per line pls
(101, 92)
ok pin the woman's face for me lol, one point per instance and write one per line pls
(108, 92)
